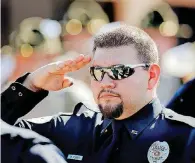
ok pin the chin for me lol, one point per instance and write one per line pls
(110, 110)
(109, 102)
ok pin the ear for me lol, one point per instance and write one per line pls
(154, 74)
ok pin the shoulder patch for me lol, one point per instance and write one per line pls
(170, 114)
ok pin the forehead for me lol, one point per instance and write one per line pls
(115, 55)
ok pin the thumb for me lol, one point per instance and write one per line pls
(67, 82)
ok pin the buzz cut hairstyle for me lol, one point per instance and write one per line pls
(129, 35)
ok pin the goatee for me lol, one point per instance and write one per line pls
(111, 112)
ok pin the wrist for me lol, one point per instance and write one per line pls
(29, 84)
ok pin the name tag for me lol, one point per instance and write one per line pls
(75, 157)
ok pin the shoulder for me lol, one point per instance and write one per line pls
(86, 110)
(173, 116)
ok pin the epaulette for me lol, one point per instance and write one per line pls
(80, 109)
(61, 117)
(57, 117)
(40, 120)
(170, 114)
(88, 110)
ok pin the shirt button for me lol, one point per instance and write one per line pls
(13, 88)
(181, 99)
(20, 94)
(117, 149)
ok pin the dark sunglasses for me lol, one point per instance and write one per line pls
(115, 72)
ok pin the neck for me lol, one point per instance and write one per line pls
(128, 112)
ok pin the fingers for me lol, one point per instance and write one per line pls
(79, 58)
(81, 63)
(82, 58)
(63, 67)
(76, 64)
(67, 83)
(63, 64)
(87, 59)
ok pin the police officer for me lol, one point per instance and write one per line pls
(129, 123)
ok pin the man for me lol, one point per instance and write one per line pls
(20, 145)
(131, 126)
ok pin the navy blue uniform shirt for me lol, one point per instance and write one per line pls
(154, 134)
(183, 101)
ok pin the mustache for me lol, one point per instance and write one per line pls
(107, 91)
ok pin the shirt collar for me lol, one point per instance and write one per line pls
(140, 120)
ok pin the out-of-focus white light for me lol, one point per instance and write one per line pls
(50, 28)
(8, 65)
(168, 28)
(110, 26)
(179, 61)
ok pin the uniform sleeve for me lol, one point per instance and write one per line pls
(17, 100)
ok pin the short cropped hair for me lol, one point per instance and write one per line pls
(129, 35)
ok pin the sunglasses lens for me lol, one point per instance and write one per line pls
(117, 72)
(96, 73)
(128, 71)
(120, 72)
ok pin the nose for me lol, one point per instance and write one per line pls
(107, 82)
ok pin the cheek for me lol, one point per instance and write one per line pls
(131, 87)
(139, 81)
(128, 85)
(95, 87)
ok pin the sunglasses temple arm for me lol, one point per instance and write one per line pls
(140, 65)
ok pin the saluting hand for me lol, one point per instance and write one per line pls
(51, 77)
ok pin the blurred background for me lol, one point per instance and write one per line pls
(35, 33)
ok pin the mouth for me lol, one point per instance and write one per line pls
(107, 95)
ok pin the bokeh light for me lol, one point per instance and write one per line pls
(78, 13)
(26, 50)
(74, 27)
(185, 31)
(6, 49)
(94, 25)
(50, 28)
(168, 28)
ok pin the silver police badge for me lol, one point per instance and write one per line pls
(158, 152)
